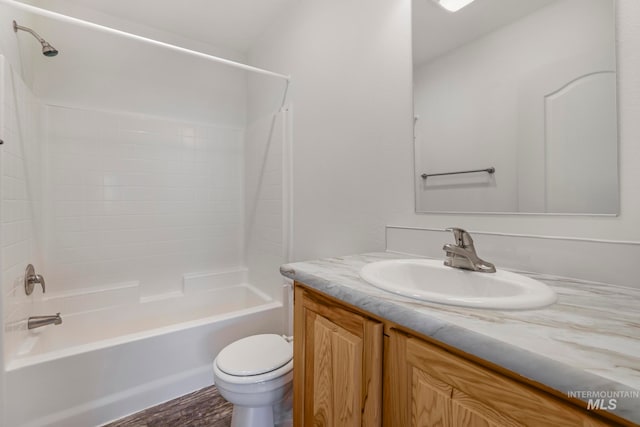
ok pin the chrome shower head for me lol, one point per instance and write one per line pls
(47, 49)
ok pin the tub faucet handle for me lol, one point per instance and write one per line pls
(31, 279)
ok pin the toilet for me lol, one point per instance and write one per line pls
(255, 374)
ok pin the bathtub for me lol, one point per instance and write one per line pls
(103, 364)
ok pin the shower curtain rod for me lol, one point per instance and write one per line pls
(83, 23)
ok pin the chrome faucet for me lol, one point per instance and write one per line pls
(39, 321)
(463, 253)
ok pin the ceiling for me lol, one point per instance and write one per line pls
(436, 31)
(232, 24)
(237, 24)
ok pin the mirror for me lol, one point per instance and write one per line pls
(515, 107)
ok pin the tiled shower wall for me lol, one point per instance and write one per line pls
(136, 198)
(20, 199)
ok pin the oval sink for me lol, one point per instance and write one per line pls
(430, 280)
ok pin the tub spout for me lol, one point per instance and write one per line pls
(38, 321)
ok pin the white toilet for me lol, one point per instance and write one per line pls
(255, 374)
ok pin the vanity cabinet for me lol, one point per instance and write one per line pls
(429, 386)
(337, 375)
(352, 368)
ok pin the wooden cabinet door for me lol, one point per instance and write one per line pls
(425, 386)
(337, 364)
(430, 400)
(469, 412)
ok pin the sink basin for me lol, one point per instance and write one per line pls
(430, 280)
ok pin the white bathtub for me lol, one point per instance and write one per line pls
(104, 364)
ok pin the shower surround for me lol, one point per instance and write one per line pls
(132, 196)
(153, 239)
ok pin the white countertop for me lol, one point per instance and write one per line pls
(588, 341)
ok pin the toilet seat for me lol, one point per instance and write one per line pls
(254, 359)
(284, 373)
(255, 355)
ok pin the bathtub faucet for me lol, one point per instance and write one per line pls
(38, 321)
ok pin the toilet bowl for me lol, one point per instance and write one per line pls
(254, 374)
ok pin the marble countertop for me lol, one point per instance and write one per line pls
(589, 341)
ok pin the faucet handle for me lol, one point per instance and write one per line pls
(40, 279)
(31, 278)
(461, 236)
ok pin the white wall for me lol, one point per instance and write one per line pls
(139, 198)
(15, 47)
(352, 132)
(351, 99)
(96, 70)
(474, 102)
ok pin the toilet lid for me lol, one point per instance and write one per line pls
(255, 355)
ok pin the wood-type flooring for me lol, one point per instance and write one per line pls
(202, 408)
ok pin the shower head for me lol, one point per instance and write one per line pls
(47, 49)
